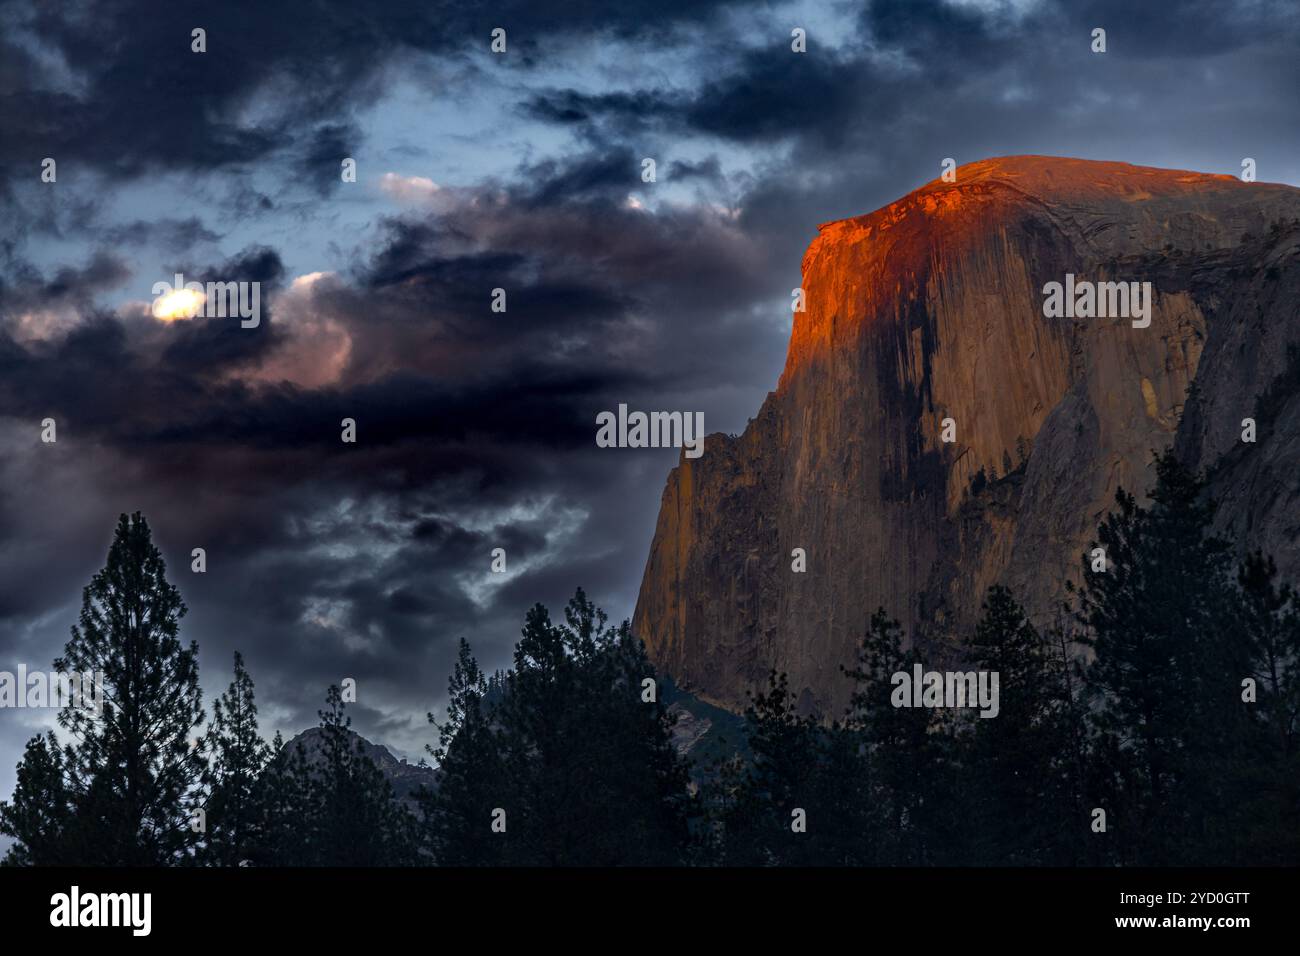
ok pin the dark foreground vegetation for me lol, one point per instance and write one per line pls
(1156, 724)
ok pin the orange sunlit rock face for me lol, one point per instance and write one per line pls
(931, 309)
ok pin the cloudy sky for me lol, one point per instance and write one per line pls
(478, 171)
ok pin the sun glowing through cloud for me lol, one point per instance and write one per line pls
(178, 304)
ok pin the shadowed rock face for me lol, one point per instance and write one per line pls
(932, 308)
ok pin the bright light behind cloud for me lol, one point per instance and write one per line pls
(178, 304)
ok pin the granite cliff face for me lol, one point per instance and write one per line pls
(932, 308)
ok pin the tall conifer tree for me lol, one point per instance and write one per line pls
(1164, 620)
(285, 817)
(356, 818)
(470, 781)
(134, 769)
(236, 755)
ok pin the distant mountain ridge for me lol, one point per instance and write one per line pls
(703, 732)
(406, 778)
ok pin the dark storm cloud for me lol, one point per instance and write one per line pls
(940, 35)
(181, 109)
(708, 170)
(603, 172)
(104, 271)
(583, 271)
(917, 60)
(825, 99)
(770, 93)
(1185, 30)
(102, 385)
(774, 94)
(25, 288)
(323, 153)
(572, 106)
(244, 203)
(178, 235)
(475, 428)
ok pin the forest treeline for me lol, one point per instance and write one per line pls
(1155, 725)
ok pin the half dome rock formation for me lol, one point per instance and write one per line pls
(932, 309)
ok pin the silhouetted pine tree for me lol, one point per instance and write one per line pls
(594, 777)
(1076, 762)
(1164, 621)
(915, 775)
(134, 770)
(802, 799)
(285, 813)
(848, 825)
(355, 817)
(39, 816)
(751, 804)
(236, 755)
(1022, 780)
(1270, 622)
(470, 780)
(582, 766)
(635, 783)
